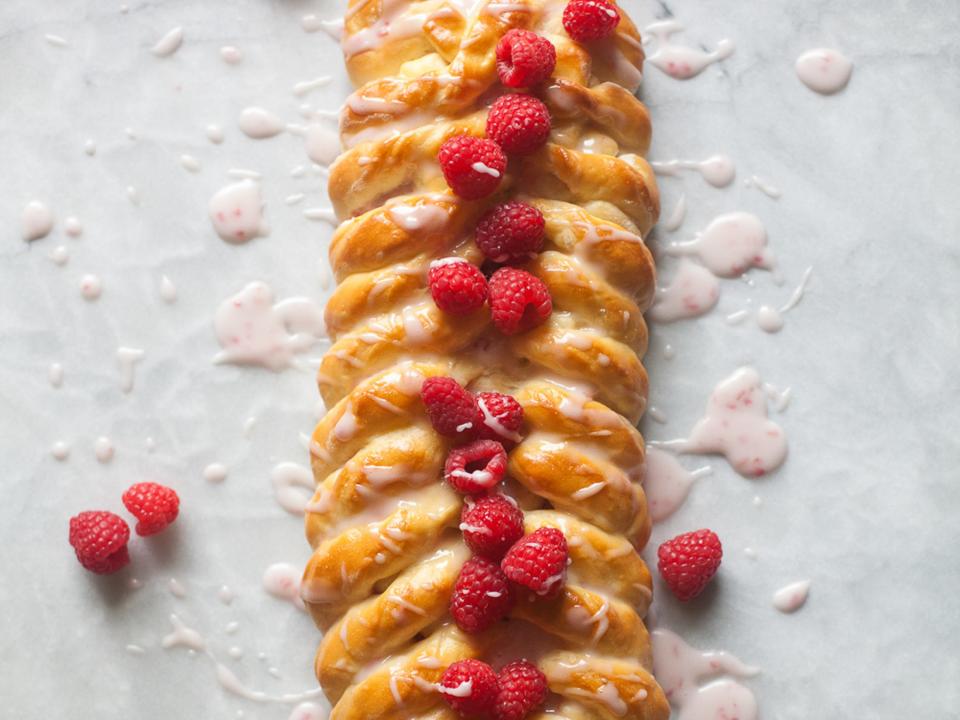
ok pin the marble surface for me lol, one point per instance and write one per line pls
(865, 506)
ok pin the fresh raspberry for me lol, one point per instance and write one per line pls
(475, 468)
(587, 20)
(99, 538)
(688, 561)
(470, 687)
(511, 231)
(523, 688)
(481, 597)
(457, 287)
(502, 417)
(155, 506)
(538, 561)
(452, 409)
(524, 59)
(491, 525)
(472, 166)
(518, 300)
(519, 123)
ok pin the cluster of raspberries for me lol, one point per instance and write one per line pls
(518, 124)
(99, 537)
(505, 561)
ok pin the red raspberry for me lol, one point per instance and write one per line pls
(477, 467)
(518, 300)
(524, 59)
(470, 687)
(586, 20)
(519, 123)
(688, 561)
(154, 506)
(452, 409)
(491, 525)
(99, 538)
(523, 688)
(457, 287)
(502, 417)
(538, 562)
(511, 231)
(481, 597)
(472, 166)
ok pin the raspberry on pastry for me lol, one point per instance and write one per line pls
(475, 468)
(510, 231)
(457, 287)
(538, 562)
(491, 525)
(524, 59)
(519, 123)
(522, 689)
(452, 409)
(502, 417)
(588, 20)
(470, 687)
(472, 166)
(518, 300)
(481, 597)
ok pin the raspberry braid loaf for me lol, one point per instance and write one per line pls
(384, 525)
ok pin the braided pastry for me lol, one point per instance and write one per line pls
(383, 524)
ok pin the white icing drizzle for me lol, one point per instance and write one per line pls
(693, 291)
(60, 451)
(736, 425)
(184, 636)
(36, 221)
(60, 255)
(215, 473)
(293, 486)
(679, 61)
(667, 483)
(254, 331)
(717, 170)
(103, 449)
(677, 215)
(679, 669)
(127, 359)
(259, 124)
(91, 287)
(306, 86)
(169, 43)
(792, 597)
(231, 55)
(729, 246)
(168, 291)
(764, 186)
(236, 212)
(55, 374)
(282, 581)
(485, 169)
(392, 25)
(824, 70)
(176, 588)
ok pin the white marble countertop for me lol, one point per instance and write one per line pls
(865, 505)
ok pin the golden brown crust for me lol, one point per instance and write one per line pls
(382, 524)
